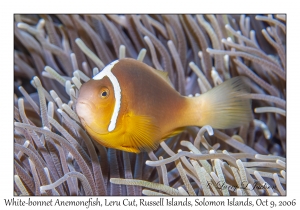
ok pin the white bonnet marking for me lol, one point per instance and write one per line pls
(117, 89)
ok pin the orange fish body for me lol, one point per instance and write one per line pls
(132, 107)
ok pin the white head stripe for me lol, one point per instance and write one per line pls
(105, 71)
(117, 89)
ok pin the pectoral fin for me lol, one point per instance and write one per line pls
(141, 134)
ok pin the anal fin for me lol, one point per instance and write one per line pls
(173, 133)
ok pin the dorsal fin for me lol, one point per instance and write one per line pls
(164, 76)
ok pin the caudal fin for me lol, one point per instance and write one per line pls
(224, 107)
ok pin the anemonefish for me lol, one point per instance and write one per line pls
(133, 107)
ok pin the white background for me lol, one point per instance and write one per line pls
(8, 8)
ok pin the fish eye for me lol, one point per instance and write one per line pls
(104, 93)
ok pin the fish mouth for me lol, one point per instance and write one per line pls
(85, 103)
(83, 107)
(84, 112)
(86, 117)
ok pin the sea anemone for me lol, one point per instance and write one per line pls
(55, 54)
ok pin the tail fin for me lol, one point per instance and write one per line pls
(223, 107)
